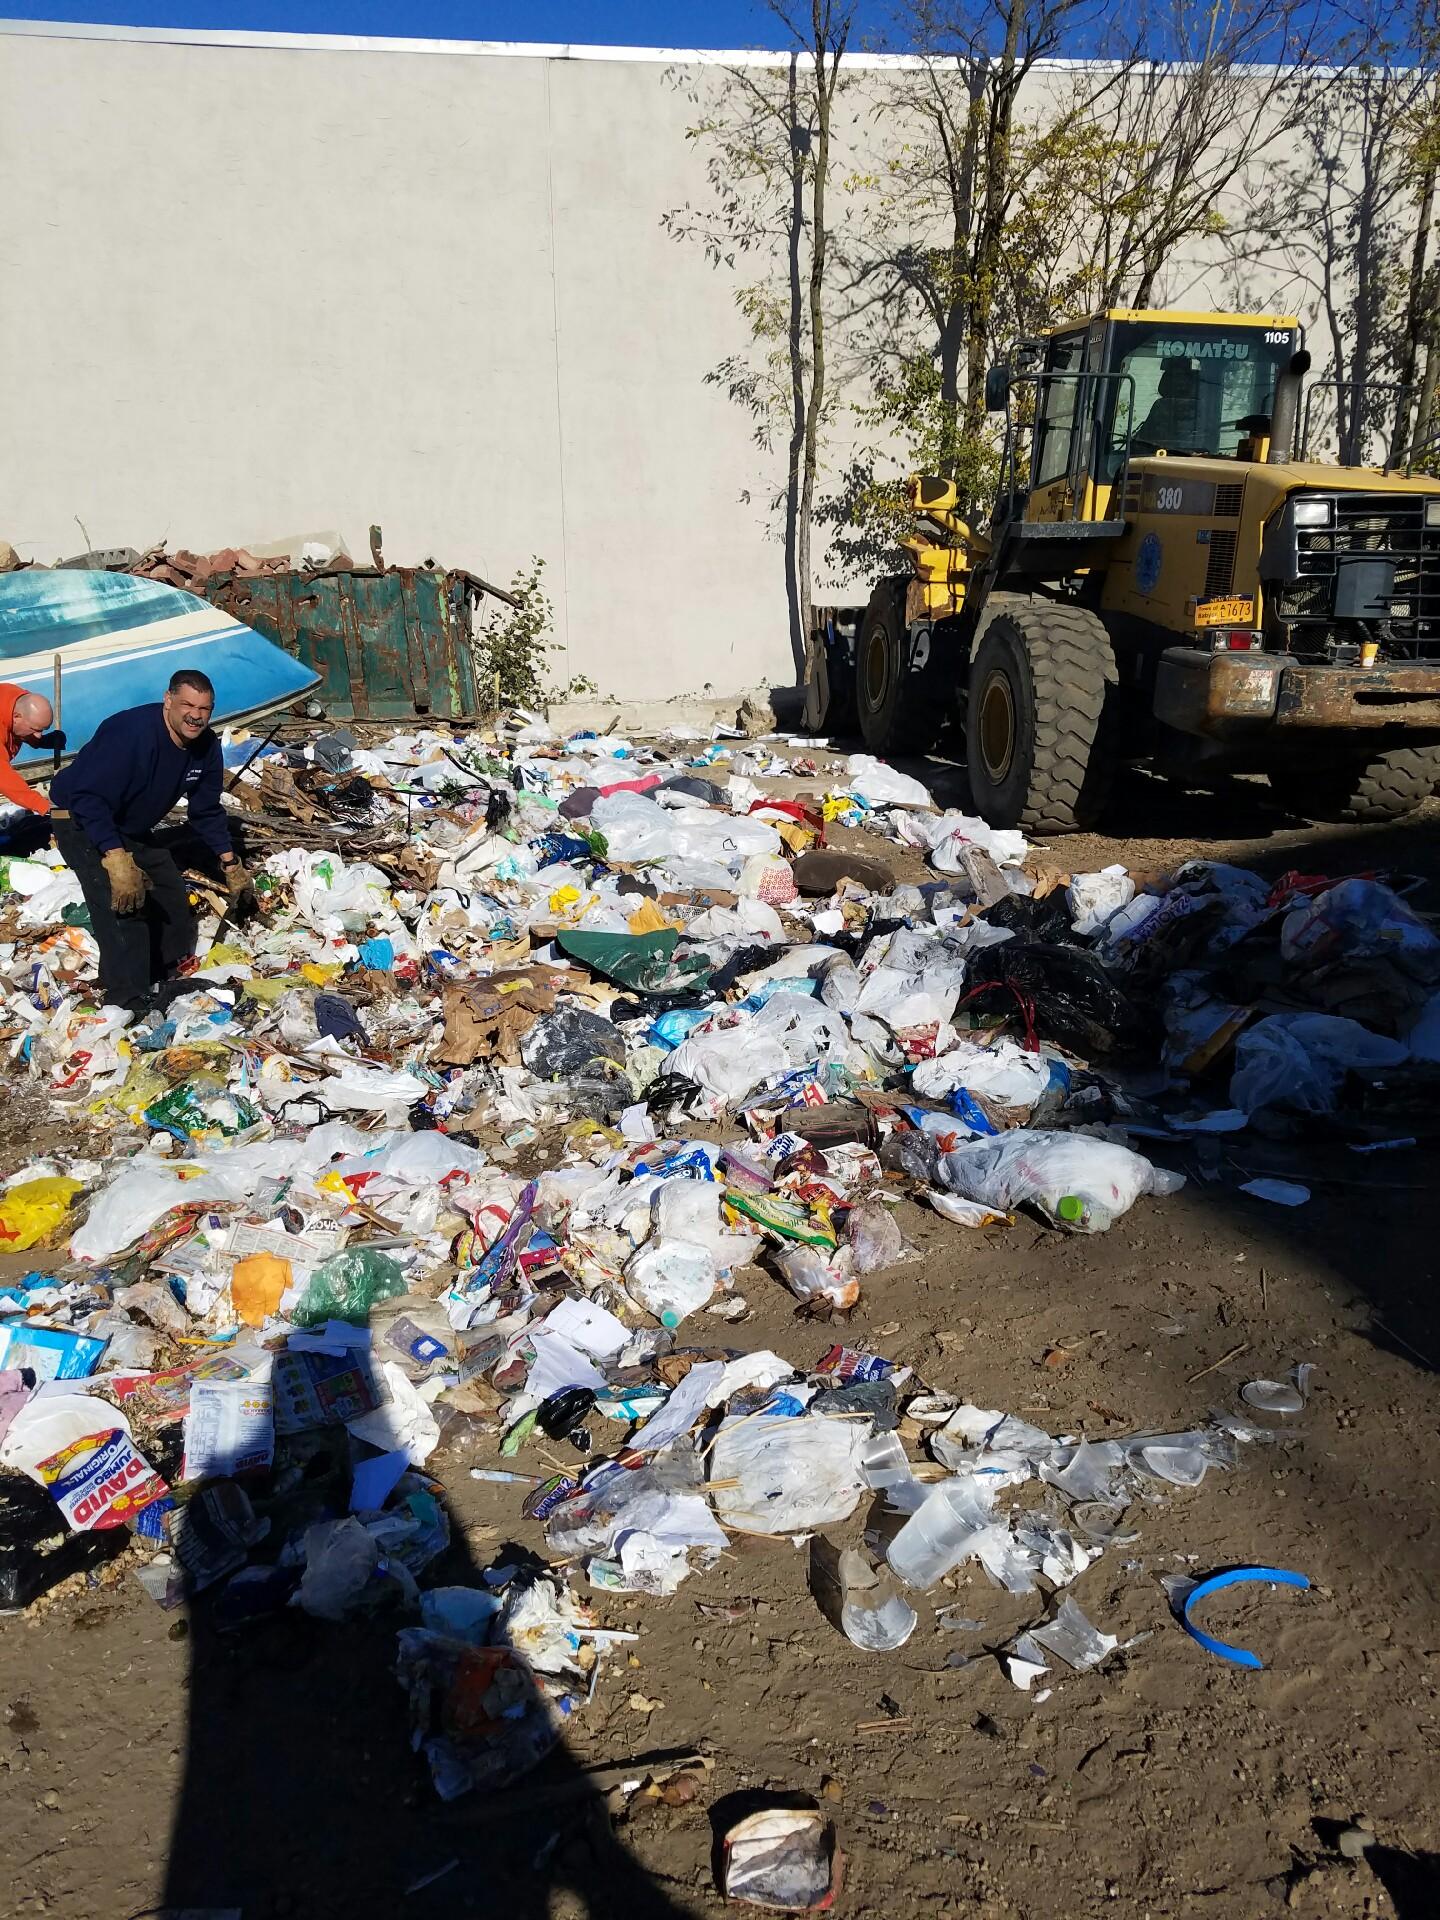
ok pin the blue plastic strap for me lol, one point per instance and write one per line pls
(1237, 1576)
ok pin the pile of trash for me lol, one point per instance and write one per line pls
(487, 1135)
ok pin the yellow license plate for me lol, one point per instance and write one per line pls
(1225, 613)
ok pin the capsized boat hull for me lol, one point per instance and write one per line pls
(119, 638)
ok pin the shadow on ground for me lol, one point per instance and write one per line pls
(301, 1795)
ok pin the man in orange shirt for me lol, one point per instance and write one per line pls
(23, 718)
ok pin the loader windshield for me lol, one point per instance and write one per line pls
(1195, 385)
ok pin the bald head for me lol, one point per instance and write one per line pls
(32, 717)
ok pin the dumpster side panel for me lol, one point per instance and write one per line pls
(303, 613)
(382, 664)
(438, 625)
(387, 646)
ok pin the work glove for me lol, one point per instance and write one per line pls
(127, 882)
(238, 882)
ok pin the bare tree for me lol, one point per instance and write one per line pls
(973, 212)
(1352, 219)
(769, 135)
(1015, 193)
(1224, 83)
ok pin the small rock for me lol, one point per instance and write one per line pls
(756, 716)
(1354, 1842)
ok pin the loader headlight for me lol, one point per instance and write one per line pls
(1312, 513)
(1432, 512)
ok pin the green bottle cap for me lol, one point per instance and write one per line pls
(1071, 1207)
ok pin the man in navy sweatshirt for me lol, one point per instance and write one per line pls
(108, 802)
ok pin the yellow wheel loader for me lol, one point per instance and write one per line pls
(1163, 578)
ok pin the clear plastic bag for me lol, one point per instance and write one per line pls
(340, 1561)
(789, 1475)
(1360, 919)
(874, 1237)
(810, 1276)
(671, 1279)
(882, 786)
(1076, 1181)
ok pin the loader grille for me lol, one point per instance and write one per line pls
(1386, 536)
(1220, 568)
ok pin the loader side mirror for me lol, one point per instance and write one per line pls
(997, 389)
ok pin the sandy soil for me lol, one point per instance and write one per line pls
(146, 1764)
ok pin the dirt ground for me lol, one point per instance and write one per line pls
(146, 1764)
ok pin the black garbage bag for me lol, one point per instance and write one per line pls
(669, 1092)
(561, 1045)
(629, 1007)
(743, 960)
(1058, 993)
(1046, 920)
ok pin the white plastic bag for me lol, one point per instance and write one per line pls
(690, 1210)
(730, 1062)
(951, 832)
(1094, 897)
(131, 1205)
(1004, 1073)
(383, 1090)
(636, 829)
(1423, 1039)
(1075, 1181)
(882, 786)
(1298, 1060)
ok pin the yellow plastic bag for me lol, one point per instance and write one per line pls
(265, 990)
(31, 1211)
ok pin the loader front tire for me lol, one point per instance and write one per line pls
(1040, 717)
(1385, 786)
(900, 695)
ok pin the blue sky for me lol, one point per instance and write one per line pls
(634, 23)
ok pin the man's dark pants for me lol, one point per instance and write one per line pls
(136, 949)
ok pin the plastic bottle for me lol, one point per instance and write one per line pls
(1082, 1215)
(937, 1536)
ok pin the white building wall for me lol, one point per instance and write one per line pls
(249, 290)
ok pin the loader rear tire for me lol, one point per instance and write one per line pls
(1386, 786)
(901, 697)
(1040, 718)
